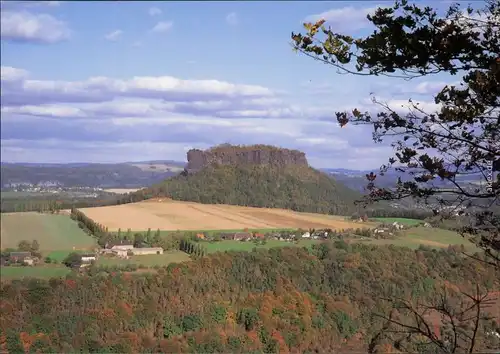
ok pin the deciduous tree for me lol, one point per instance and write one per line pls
(462, 137)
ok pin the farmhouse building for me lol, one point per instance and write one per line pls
(236, 236)
(88, 257)
(145, 251)
(120, 244)
(19, 257)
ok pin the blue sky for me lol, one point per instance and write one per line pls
(123, 81)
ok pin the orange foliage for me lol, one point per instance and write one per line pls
(70, 283)
(6, 307)
(283, 348)
(451, 286)
(107, 313)
(132, 338)
(387, 348)
(353, 261)
(127, 308)
(27, 340)
(253, 336)
(3, 343)
(231, 317)
(170, 346)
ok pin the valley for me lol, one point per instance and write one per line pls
(240, 177)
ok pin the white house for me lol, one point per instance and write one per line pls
(397, 225)
(148, 250)
(306, 235)
(122, 247)
(87, 258)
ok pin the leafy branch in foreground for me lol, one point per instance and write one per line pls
(451, 324)
(458, 139)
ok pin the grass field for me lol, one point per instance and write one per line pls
(147, 260)
(53, 232)
(59, 256)
(51, 271)
(403, 221)
(176, 215)
(222, 246)
(433, 237)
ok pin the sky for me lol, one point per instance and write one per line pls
(133, 81)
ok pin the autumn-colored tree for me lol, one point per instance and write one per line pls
(462, 137)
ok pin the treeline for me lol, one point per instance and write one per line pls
(193, 248)
(389, 212)
(25, 204)
(176, 240)
(99, 231)
(326, 299)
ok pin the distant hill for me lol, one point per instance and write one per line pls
(258, 175)
(356, 179)
(124, 175)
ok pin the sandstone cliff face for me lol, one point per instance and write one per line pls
(243, 155)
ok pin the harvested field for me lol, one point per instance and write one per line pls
(176, 215)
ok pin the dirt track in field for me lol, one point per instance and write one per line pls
(175, 215)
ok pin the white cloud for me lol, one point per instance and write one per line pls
(154, 11)
(232, 19)
(40, 117)
(162, 26)
(100, 89)
(24, 26)
(346, 18)
(9, 73)
(63, 151)
(114, 36)
(56, 111)
(137, 44)
(12, 4)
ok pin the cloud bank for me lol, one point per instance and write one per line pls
(105, 119)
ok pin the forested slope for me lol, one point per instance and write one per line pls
(288, 299)
(295, 187)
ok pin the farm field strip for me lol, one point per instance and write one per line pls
(175, 215)
(404, 221)
(53, 232)
(432, 237)
(222, 246)
(146, 261)
(43, 272)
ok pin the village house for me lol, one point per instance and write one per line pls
(22, 258)
(259, 235)
(236, 236)
(18, 257)
(120, 244)
(88, 257)
(397, 225)
(146, 251)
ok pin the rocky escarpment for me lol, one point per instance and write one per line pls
(244, 155)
